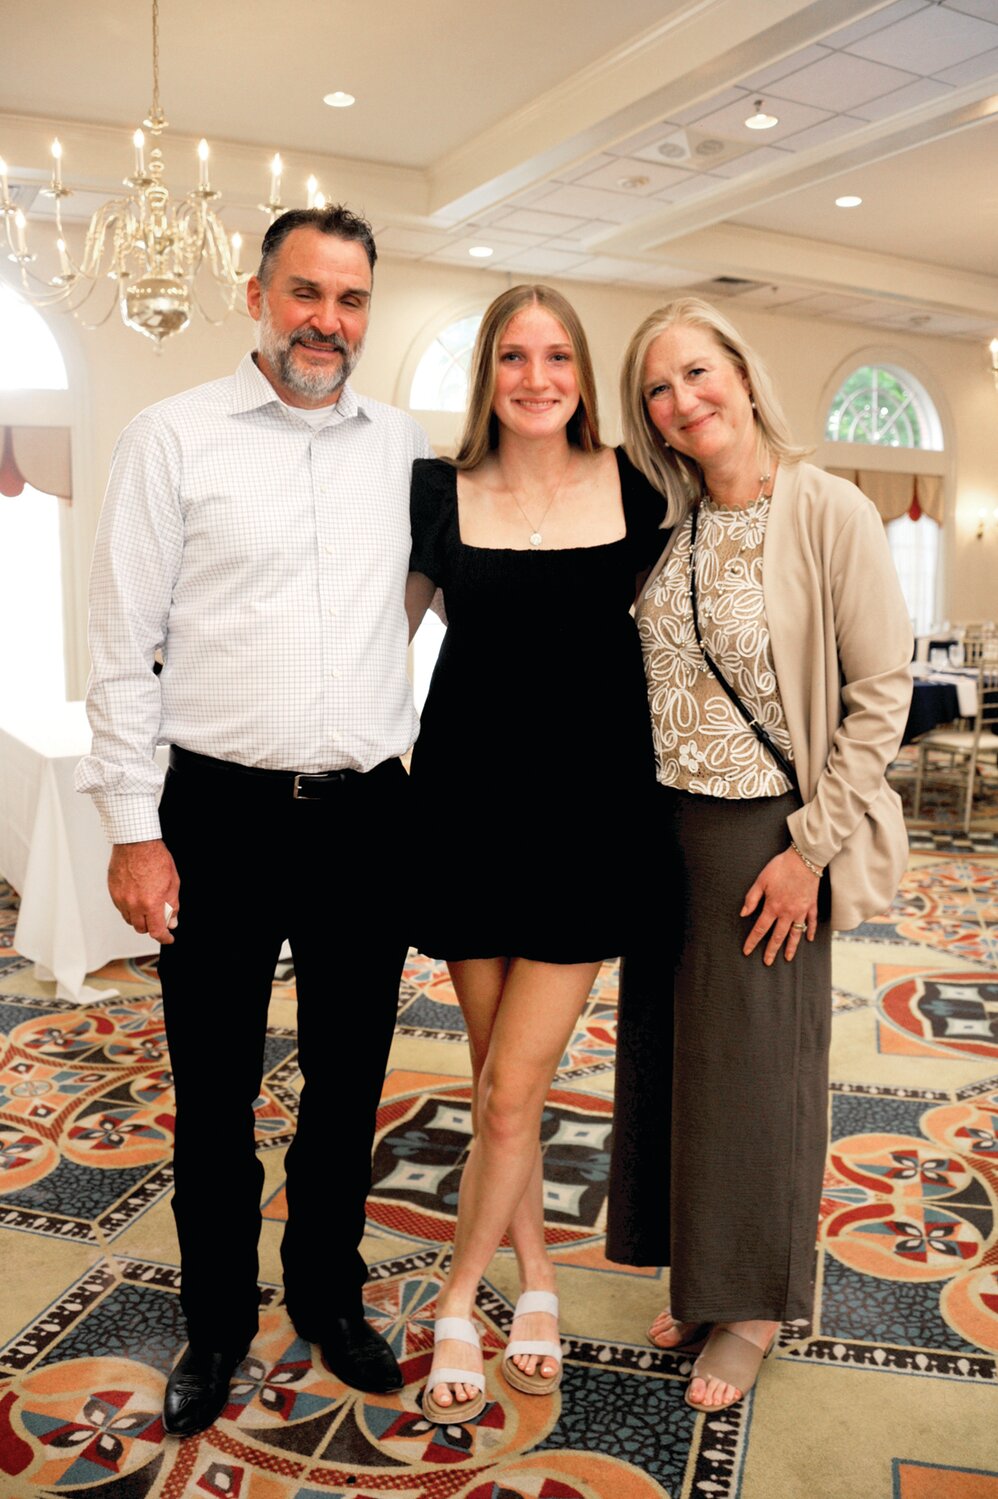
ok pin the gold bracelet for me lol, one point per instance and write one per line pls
(816, 869)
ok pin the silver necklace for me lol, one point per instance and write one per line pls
(536, 536)
(763, 481)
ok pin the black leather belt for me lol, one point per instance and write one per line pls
(299, 786)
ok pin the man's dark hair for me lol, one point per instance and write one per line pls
(335, 219)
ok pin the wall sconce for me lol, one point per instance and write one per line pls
(986, 523)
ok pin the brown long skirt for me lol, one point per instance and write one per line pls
(722, 1078)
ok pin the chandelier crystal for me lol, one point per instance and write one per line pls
(152, 248)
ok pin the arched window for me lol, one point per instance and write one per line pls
(30, 358)
(441, 379)
(31, 600)
(884, 406)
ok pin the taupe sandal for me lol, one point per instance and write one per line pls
(731, 1358)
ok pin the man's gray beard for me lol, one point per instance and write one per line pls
(311, 382)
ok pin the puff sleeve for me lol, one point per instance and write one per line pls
(432, 511)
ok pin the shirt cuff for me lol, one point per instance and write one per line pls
(129, 819)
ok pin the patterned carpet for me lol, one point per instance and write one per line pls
(890, 1395)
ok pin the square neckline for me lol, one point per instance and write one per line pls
(539, 551)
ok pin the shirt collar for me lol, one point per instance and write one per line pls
(252, 391)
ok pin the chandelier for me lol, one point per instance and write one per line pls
(152, 249)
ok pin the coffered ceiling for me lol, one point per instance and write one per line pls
(574, 139)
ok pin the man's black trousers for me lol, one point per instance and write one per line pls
(257, 866)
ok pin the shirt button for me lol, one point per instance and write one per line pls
(336, 736)
(335, 673)
(330, 550)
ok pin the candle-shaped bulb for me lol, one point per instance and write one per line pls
(57, 163)
(276, 170)
(63, 257)
(20, 224)
(313, 186)
(320, 200)
(203, 163)
(3, 179)
(139, 142)
(237, 244)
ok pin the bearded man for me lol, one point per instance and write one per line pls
(256, 532)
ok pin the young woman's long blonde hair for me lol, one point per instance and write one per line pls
(481, 427)
(677, 477)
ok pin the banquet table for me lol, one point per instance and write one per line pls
(932, 703)
(965, 679)
(54, 852)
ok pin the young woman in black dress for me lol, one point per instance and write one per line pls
(534, 753)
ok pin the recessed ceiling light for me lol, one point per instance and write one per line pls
(709, 147)
(632, 183)
(339, 100)
(761, 120)
(481, 252)
(849, 200)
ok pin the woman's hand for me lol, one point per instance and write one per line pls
(789, 893)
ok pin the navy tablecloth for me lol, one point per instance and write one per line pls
(932, 703)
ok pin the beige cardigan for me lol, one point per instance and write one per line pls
(842, 648)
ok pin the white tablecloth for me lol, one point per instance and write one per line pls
(53, 851)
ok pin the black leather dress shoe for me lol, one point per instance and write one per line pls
(198, 1389)
(354, 1352)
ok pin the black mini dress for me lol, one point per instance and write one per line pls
(534, 764)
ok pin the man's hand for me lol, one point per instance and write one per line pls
(143, 881)
(789, 892)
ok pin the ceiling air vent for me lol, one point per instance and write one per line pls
(23, 195)
(694, 149)
(674, 147)
(726, 286)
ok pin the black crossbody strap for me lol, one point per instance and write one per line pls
(753, 723)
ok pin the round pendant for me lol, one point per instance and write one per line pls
(536, 538)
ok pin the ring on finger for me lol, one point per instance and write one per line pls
(798, 926)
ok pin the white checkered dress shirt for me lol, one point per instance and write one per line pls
(268, 561)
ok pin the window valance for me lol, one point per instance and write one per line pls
(39, 456)
(898, 494)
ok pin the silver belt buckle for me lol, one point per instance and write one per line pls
(296, 790)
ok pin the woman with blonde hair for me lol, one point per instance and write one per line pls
(535, 746)
(777, 647)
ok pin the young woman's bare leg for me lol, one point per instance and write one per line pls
(538, 1006)
(478, 985)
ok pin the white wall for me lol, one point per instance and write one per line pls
(116, 373)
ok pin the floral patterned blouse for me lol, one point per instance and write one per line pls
(702, 742)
